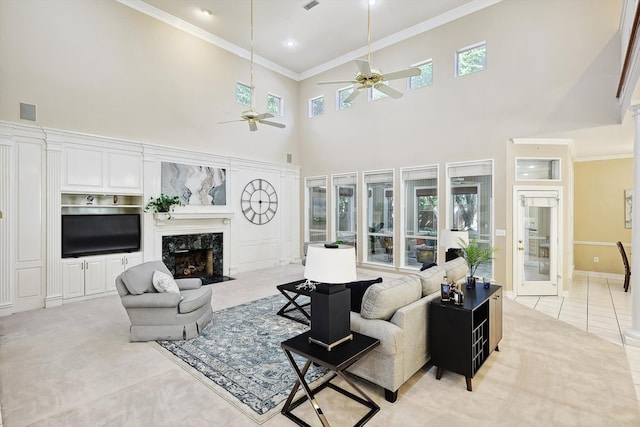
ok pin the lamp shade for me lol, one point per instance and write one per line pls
(451, 238)
(330, 265)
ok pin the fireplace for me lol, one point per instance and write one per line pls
(195, 255)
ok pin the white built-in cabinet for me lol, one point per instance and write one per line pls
(89, 169)
(101, 177)
(93, 275)
(118, 263)
(84, 276)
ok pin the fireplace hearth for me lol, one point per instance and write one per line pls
(195, 255)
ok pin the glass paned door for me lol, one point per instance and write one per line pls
(536, 246)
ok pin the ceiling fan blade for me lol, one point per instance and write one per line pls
(337, 82)
(363, 66)
(353, 95)
(411, 72)
(278, 125)
(252, 126)
(264, 116)
(388, 90)
(230, 121)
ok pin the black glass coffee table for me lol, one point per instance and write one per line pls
(292, 292)
(336, 360)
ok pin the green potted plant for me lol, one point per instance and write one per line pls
(163, 204)
(475, 255)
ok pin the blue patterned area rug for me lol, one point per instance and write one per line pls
(239, 356)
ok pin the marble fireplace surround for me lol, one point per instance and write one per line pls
(202, 237)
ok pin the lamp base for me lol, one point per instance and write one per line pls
(452, 253)
(330, 317)
(333, 344)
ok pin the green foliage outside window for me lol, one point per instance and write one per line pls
(273, 105)
(316, 107)
(342, 95)
(425, 78)
(243, 94)
(472, 60)
(376, 94)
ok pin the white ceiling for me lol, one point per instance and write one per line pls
(327, 35)
(335, 32)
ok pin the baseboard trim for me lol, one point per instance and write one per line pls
(598, 274)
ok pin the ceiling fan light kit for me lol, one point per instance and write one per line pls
(251, 116)
(369, 77)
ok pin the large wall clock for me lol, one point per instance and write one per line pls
(259, 201)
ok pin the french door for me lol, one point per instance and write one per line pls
(536, 255)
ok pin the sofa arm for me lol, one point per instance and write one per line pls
(151, 300)
(189, 283)
(392, 338)
(414, 321)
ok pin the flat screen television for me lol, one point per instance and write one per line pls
(99, 234)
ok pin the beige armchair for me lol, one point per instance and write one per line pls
(163, 315)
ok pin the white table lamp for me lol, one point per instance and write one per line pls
(331, 267)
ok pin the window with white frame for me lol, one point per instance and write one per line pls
(274, 104)
(425, 77)
(316, 106)
(471, 199)
(471, 59)
(375, 94)
(537, 169)
(345, 202)
(420, 231)
(342, 95)
(379, 216)
(243, 94)
(316, 204)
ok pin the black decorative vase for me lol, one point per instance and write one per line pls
(471, 282)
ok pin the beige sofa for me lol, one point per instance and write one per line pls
(396, 313)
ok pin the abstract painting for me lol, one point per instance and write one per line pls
(195, 185)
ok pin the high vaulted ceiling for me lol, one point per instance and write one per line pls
(329, 34)
(334, 32)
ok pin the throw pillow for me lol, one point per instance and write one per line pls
(431, 279)
(427, 265)
(357, 292)
(382, 300)
(164, 283)
(457, 269)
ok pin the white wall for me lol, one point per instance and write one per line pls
(551, 67)
(103, 68)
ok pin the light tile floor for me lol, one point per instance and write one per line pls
(598, 305)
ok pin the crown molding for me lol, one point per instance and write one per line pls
(188, 28)
(413, 31)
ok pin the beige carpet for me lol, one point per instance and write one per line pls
(74, 366)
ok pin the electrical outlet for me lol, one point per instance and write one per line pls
(596, 259)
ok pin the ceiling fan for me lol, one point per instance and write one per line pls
(369, 77)
(251, 116)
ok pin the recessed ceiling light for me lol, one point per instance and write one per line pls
(372, 2)
(206, 12)
(290, 43)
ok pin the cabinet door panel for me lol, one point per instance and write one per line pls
(125, 172)
(495, 311)
(73, 279)
(83, 168)
(115, 266)
(132, 260)
(94, 276)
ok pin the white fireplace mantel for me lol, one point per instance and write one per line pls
(163, 218)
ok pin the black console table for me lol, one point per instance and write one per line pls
(462, 337)
(336, 360)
